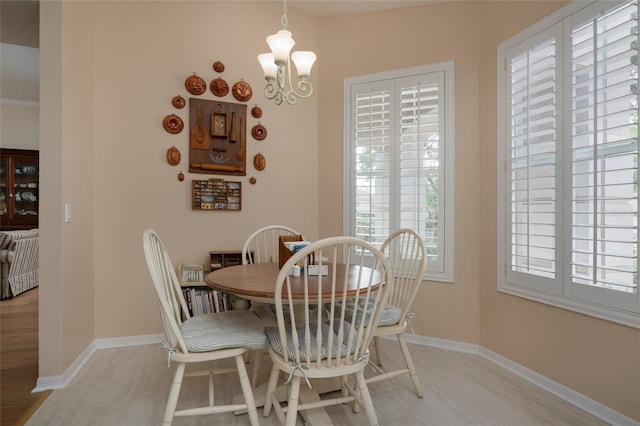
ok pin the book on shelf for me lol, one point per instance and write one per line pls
(192, 273)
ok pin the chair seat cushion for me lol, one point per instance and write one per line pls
(391, 315)
(223, 330)
(276, 343)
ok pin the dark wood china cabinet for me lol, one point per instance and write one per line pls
(19, 189)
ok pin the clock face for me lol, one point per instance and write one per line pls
(219, 125)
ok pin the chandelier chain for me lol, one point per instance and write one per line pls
(284, 20)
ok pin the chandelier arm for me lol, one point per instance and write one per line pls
(305, 87)
(270, 91)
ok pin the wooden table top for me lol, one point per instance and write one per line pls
(258, 281)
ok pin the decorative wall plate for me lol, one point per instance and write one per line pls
(259, 132)
(178, 101)
(219, 87)
(252, 180)
(259, 162)
(218, 66)
(195, 85)
(173, 156)
(242, 91)
(173, 124)
(256, 112)
(180, 176)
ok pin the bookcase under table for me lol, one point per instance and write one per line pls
(202, 299)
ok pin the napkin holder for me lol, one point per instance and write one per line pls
(283, 252)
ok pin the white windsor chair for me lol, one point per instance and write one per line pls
(262, 246)
(332, 341)
(202, 338)
(407, 257)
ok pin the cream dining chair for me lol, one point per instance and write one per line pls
(407, 257)
(202, 338)
(263, 246)
(331, 342)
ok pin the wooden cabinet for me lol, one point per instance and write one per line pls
(19, 189)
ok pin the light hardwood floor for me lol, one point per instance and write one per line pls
(129, 386)
(18, 357)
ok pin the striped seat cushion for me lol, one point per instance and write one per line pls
(391, 315)
(273, 335)
(4, 241)
(224, 330)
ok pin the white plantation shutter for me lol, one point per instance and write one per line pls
(532, 161)
(395, 144)
(604, 155)
(569, 146)
(372, 161)
(421, 180)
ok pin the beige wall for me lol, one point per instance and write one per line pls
(108, 147)
(111, 73)
(594, 357)
(561, 345)
(19, 125)
(19, 87)
(363, 44)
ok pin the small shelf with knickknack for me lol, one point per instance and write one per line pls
(202, 299)
(222, 259)
(216, 194)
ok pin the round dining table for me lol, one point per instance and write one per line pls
(257, 281)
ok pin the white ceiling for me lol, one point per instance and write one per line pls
(320, 8)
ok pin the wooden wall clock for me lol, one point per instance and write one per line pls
(217, 137)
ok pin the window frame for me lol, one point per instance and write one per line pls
(447, 150)
(563, 293)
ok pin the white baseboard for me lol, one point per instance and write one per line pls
(583, 402)
(121, 342)
(60, 382)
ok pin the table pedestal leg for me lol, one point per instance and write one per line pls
(312, 417)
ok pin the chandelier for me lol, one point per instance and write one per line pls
(277, 66)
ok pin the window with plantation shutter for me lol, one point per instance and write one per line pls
(398, 145)
(568, 146)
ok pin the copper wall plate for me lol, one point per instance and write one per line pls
(178, 101)
(242, 91)
(195, 85)
(219, 87)
(218, 66)
(173, 156)
(173, 124)
(256, 112)
(259, 162)
(259, 132)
